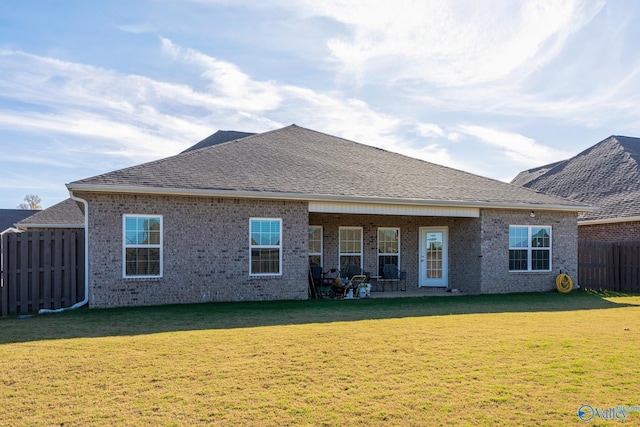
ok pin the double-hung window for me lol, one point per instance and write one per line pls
(265, 246)
(315, 245)
(350, 247)
(142, 246)
(529, 248)
(388, 248)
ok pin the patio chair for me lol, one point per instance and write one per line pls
(355, 270)
(392, 275)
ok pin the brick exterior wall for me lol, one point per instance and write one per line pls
(495, 275)
(206, 250)
(612, 232)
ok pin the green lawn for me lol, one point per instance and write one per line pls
(520, 359)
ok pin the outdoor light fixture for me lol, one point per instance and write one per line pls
(532, 214)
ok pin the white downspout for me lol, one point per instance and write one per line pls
(86, 261)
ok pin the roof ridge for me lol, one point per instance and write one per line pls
(298, 162)
(605, 174)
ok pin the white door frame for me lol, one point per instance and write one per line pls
(443, 281)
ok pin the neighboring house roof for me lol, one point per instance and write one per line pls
(294, 163)
(8, 217)
(606, 175)
(218, 138)
(66, 214)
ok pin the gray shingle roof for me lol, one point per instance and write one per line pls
(218, 138)
(65, 213)
(8, 217)
(316, 166)
(605, 175)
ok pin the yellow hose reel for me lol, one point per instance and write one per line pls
(564, 284)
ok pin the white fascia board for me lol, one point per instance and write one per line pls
(272, 195)
(609, 220)
(389, 209)
(11, 230)
(27, 226)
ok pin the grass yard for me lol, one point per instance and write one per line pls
(523, 359)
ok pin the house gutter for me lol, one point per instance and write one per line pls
(609, 220)
(86, 262)
(272, 195)
(28, 226)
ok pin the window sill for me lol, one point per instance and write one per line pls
(531, 271)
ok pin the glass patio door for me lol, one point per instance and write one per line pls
(434, 257)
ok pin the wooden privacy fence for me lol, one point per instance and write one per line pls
(41, 269)
(612, 266)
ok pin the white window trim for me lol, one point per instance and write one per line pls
(125, 246)
(529, 248)
(321, 245)
(341, 254)
(279, 247)
(389, 254)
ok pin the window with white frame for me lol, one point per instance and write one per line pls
(142, 246)
(350, 247)
(388, 248)
(529, 248)
(265, 246)
(315, 245)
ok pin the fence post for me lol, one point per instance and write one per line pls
(35, 270)
(4, 288)
(633, 262)
(57, 272)
(615, 266)
(12, 280)
(66, 269)
(80, 239)
(46, 270)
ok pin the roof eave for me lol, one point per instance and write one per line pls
(26, 226)
(103, 188)
(609, 220)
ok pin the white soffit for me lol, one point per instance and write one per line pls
(385, 209)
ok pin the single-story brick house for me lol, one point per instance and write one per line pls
(607, 176)
(241, 220)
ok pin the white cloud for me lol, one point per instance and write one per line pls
(134, 28)
(142, 119)
(453, 136)
(516, 147)
(135, 141)
(451, 43)
(226, 84)
(429, 130)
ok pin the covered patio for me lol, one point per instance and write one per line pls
(433, 252)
